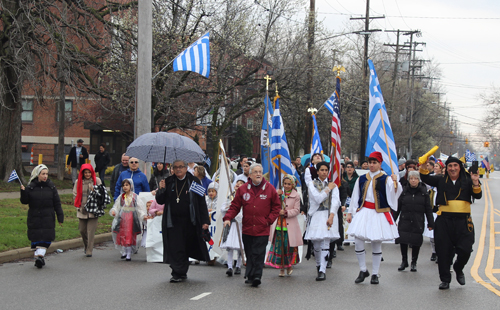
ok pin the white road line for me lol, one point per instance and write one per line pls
(201, 296)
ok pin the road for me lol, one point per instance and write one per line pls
(72, 281)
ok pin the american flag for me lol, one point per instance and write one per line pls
(336, 134)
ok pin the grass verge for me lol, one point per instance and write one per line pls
(13, 228)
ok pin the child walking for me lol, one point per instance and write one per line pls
(129, 211)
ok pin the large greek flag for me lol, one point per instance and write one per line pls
(279, 147)
(195, 58)
(380, 136)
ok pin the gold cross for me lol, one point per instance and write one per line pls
(267, 78)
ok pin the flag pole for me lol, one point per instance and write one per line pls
(268, 78)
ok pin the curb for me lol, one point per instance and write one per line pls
(12, 255)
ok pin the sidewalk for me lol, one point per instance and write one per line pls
(13, 255)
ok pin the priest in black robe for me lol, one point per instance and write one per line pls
(185, 217)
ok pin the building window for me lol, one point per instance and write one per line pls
(68, 109)
(27, 115)
(249, 123)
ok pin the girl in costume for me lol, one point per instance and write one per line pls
(285, 235)
(129, 211)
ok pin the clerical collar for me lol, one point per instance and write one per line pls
(182, 178)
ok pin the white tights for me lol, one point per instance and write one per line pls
(321, 251)
(127, 250)
(359, 247)
(433, 245)
(230, 259)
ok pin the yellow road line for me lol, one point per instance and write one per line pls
(491, 252)
(495, 270)
(480, 251)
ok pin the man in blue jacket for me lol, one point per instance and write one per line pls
(140, 179)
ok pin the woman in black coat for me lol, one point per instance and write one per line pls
(102, 161)
(43, 200)
(161, 172)
(413, 205)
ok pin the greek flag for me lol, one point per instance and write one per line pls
(279, 147)
(208, 161)
(469, 156)
(264, 135)
(197, 188)
(195, 58)
(13, 176)
(380, 137)
(316, 146)
(330, 102)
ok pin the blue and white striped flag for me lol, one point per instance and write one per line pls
(469, 157)
(279, 147)
(316, 146)
(197, 188)
(195, 58)
(13, 176)
(208, 161)
(380, 136)
(330, 102)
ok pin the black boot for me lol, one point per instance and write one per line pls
(321, 276)
(413, 266)
(433, 257)
(329, 264)
(403, 265)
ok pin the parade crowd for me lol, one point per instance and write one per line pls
(262, 224)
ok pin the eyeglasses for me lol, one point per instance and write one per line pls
(179, 167)
(133, 162)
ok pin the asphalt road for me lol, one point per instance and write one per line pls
(72, 281)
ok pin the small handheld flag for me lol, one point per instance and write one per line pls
(13, 176)
(195, 58)
(197, 188)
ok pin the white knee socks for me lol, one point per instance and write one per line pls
(376, 256)
(321, 251)
(359, 247)
(238, 260)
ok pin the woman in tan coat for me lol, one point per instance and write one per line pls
(285, 235)
(87, 221)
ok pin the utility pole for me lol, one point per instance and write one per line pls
(412, 67)
(144, 72)
(364, 110)
(310, 77)
(398, 47)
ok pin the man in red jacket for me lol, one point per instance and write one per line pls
(261, 207)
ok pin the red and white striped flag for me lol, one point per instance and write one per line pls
(335, 175)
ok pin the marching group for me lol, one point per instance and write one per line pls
(432, 199)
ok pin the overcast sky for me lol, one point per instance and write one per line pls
(463, 36)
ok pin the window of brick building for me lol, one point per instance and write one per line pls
(68, 108)
(27, 115)
(249, 123)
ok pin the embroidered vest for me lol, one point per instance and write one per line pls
(325, 205)
(379, 194)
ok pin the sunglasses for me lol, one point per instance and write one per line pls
(133, 162)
